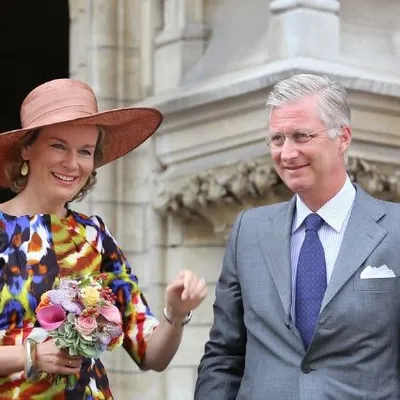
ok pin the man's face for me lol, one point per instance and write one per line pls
(313, 169)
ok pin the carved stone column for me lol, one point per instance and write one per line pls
(308, 28)
(151, 23)
(102, 75)
(181, 42)
(78, 29)
(130, 68)
(102, 51)
(93, 59)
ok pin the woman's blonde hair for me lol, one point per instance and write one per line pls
(18, 181)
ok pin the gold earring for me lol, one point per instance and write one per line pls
(24, 169)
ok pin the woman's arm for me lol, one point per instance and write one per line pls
(150, 344)
(12, 359)
(47, 358)
(162, 346)
(183, 295)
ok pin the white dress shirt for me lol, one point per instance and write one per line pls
(335, 213)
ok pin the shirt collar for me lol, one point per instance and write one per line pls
(334, 212)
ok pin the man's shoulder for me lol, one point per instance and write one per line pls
(369, 201)
(391, 209)
(267, 211)
(384, 211)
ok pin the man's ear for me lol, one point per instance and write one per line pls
(345, 138)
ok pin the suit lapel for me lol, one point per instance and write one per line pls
(274, 240)
(362, 235)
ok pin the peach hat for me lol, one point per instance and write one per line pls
(72, 102)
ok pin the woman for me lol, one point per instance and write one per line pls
(50, 162)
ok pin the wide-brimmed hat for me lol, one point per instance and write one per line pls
(72, 102)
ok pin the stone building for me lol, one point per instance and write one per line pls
(208, 65)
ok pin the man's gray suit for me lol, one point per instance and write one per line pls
(255, 351)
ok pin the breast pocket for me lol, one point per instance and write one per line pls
(376, 284)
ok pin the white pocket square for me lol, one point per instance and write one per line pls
(377, 272)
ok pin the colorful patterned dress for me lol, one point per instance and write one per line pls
(33, 251)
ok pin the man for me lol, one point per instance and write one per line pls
(308, 302)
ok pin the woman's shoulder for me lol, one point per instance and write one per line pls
(7, 211)
(13, 211)
(85, 219)
(8, 217)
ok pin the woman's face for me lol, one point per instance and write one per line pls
(61, 160)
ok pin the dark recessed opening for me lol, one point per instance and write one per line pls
(34, 49)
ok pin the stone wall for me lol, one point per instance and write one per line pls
(208, 65)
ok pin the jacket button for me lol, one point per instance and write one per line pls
(306, 369)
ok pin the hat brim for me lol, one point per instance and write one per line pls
(125, 129)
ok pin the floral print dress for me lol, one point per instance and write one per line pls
(34, 250)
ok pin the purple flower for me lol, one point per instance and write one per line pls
(104, 338)
(114, 330)
(66, 298)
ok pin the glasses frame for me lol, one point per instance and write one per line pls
(309, 136)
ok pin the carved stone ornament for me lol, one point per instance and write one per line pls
(219, 194)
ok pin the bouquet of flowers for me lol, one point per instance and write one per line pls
(81, 316)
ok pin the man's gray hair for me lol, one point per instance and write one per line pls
(333, 106)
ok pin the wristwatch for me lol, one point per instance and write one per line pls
(172, 321)
(31, 373)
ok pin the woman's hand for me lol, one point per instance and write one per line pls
(184, 294)
(51, 359)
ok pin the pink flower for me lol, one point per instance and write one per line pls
(51, 317)
(111, 313)
(86, 324)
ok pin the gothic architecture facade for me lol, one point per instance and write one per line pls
(208, 65)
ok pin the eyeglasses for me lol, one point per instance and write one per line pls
(276, 140)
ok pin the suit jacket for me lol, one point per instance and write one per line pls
(255, 351)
